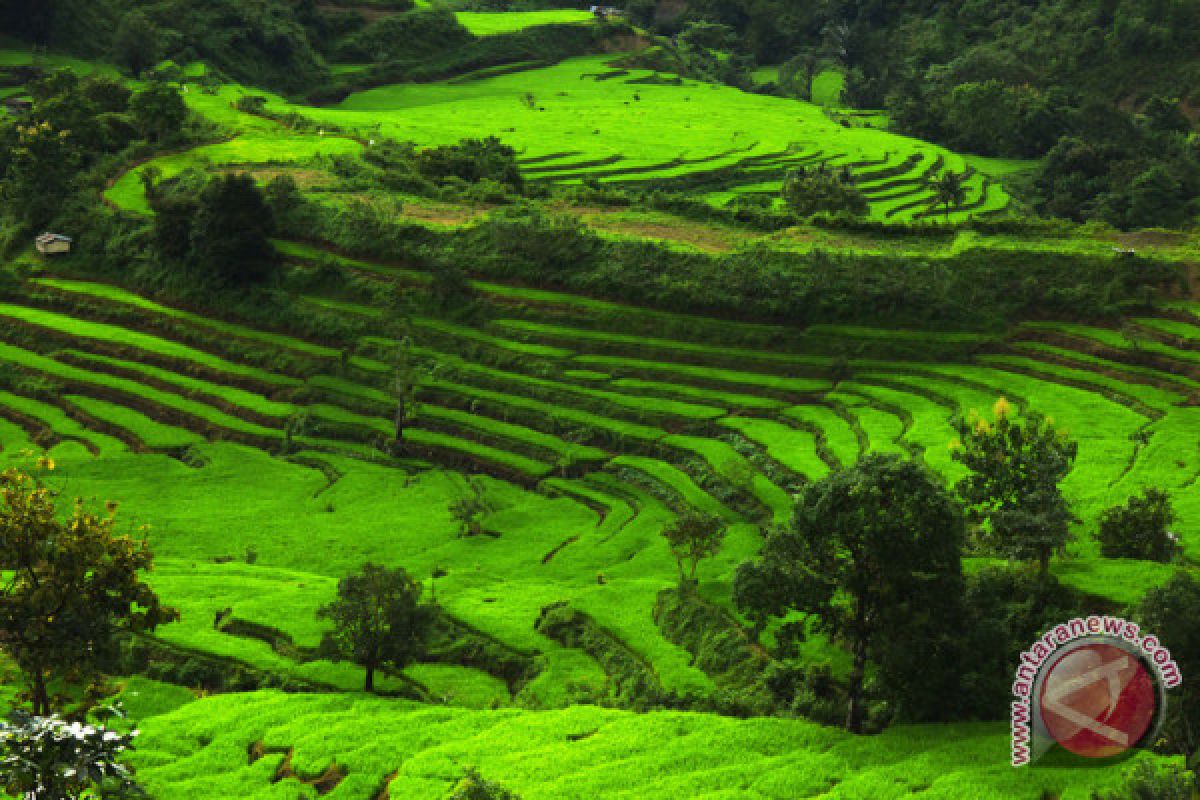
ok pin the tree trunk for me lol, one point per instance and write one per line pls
(370, 683)
(41, 698)
(1044, 563)
(854, 712)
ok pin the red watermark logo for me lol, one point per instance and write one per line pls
(1095, 686)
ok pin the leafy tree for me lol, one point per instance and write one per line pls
(949, 190)
(693, 536)
(407, 377)
(69, 587)
(1004, 610)
(41, 171)
(1140, 528)
(46, 758)
(1015, 468)
(1170, 613)
(378, 620)
(810, 190)
(874, 554)
(135, 44)
(231, 230)
(158, 112)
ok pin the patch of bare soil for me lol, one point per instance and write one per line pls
(441, 214)
(703, 237)
(306, 179)
(1151, 238)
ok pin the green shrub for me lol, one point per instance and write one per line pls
(472, 161)
(474, 786)
(1140, 528)
(812, 190)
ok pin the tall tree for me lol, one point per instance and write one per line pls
(67, 588)
(136, 42)
(378, 620)
(869, 550)
(406, 381)
(40, 173)
(1016, 465)
(230, 233)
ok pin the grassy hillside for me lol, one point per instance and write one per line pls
(587, 120)
(576, 753)
(556, 434)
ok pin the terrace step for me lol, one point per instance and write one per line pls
(122, 342)
(676, 482)
(47, 422)
(475, 456)
(139, 431)
(794, 448)
(830, 429)
(159, 404)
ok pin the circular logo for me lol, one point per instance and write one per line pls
(1098, 700)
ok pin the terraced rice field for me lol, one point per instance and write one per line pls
(667, 414)
(622, 126)
(417, 752)
(579, 439)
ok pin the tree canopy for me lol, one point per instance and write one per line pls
(70, 586)
(378, 620)
(1012, 489)
(873, 554)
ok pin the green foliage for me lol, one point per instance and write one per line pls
(1170, 613)
(471, 160)
(949, 190)
(1129, 177)
(410, 36)
(1005, 610)
(40, 172)
(158, 112)
(220, 231)
(46, 758)
(1140, 528)
(379, 620)
(136, 43)
(693, 537)
(810, 190)
(873, 553)
(1154, 782)
(474, 786)
(1016, 466)
(71, 586)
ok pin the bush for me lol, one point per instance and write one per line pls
(474, 786)
(472, 161)
(808, 191)
(1139, 529)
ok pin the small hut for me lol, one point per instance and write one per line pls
(53, 244)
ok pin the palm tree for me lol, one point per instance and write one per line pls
(950, 191)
